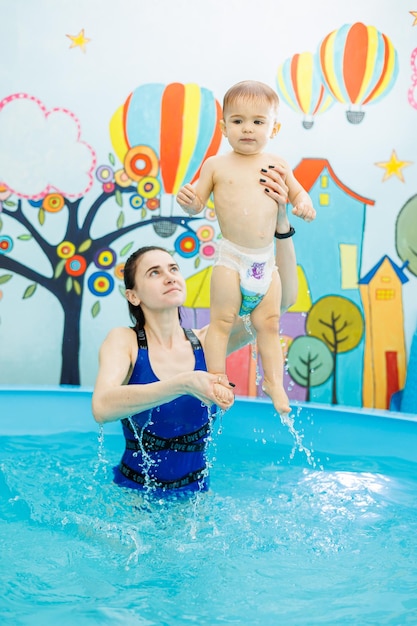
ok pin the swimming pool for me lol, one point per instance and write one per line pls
(327, 535)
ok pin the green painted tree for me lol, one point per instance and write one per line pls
(406, 235)
(309, 362)
(339, 323)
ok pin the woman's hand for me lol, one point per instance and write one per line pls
(273, 180)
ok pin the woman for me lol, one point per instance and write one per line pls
(153, 376)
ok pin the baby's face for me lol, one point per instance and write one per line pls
(248, 125)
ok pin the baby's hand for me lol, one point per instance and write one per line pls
(188, 200)
(305, 211)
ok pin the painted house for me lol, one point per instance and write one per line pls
(329, 250)
(385, 360)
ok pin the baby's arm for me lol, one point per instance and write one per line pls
(299, 198)
(287, 188)
(193, 198)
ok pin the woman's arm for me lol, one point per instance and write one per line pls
(275, 183)
(286, 261)
(114, 399)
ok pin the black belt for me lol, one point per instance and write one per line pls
(143, 479)
(183, 443)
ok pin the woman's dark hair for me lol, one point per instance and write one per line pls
(135, 311)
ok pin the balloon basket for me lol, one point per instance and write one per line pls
(307, 124)
(164, 228)
(355, 117)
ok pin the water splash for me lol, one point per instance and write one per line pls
(287, 420)
(218, 415)
(254, 353)
(211, 417)
(147, 461)
(101, 462)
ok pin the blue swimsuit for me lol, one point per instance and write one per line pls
(165, 446)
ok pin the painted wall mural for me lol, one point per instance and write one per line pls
(349, 315)
(145, 117)
(354, 65)
(359, 66)
(300, 85)
(72, 209)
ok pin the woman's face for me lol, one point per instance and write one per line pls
(159, 283)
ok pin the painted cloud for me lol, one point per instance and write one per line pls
(41, 151)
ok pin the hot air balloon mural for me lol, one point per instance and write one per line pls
(359, 66)
(164, 133)
(300, 85)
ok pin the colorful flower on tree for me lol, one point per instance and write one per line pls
(105, 258)
(152, 204)
(149, 187)
(5, 193)
(6, 244)
(53, 202)
(187, 245)
(65, 250)
(119, 271)
(105, 174)
(109, 187)
(76, 265)
(136, 201)
(122, 179)
(101, 284)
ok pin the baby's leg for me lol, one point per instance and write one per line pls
(225, 300)
(265, 319)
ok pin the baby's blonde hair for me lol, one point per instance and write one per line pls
(251, 91)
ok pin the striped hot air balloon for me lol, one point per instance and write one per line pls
(300, 85)
(166, 131)
(359, 66)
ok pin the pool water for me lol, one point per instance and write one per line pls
(280, 538)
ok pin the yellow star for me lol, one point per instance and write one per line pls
(414, 14)
(393, 167)
(79, 40)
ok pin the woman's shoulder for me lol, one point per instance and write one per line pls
(120, 335)
(122, 330)
(201, 333)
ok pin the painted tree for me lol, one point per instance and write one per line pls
(69, 262)
(152, 169)
(406, 235)
(309, 362)
(338, 322)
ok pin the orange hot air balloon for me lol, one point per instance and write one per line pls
(300, 85)
(175, 127)
(359, 66)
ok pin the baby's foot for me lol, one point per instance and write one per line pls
(278, 396)
(222, 391)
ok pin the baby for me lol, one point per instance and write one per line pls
(245, 280)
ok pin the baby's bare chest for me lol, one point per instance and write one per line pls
(239, 190)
